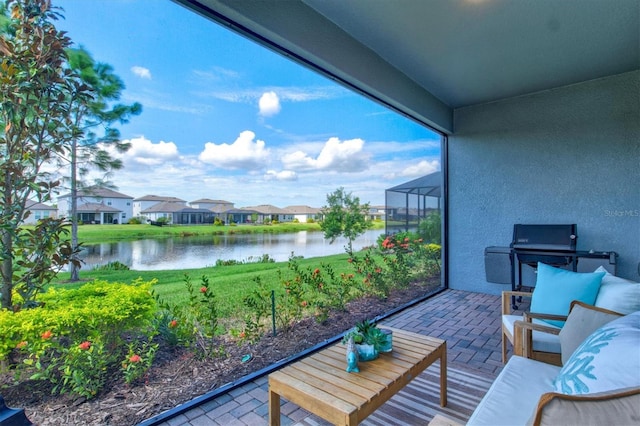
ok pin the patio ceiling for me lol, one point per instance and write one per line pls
(426, 58)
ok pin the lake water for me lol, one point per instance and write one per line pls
(200, 252)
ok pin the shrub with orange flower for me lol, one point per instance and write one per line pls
(47, 335)
(84, 345)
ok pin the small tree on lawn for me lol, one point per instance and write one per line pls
(36, 89)
(344, 216)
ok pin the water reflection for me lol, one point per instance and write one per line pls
(203, 251)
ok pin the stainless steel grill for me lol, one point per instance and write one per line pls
(553, 244)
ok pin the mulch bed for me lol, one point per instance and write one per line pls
(177, 376)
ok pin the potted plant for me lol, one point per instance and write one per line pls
(369, 340)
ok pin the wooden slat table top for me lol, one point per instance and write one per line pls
(320, 384)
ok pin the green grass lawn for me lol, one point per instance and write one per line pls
(106, 233)
(229, 283)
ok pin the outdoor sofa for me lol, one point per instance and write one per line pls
(598, 381)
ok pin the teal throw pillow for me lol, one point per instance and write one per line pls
(557, 288)
(607, 360)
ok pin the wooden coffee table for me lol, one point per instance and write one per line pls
(320, 384)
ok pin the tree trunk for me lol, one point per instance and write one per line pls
(75, 269)
(7, 270)
(7, 252)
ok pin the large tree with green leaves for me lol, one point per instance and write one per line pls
(95, 133)
(344, 216)
(36, 90)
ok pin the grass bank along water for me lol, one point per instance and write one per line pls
(107, 233)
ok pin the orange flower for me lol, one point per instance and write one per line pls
(242, 335)
(173, 324)
(203, 289)
(47, 335)
(135, 358)
(21, 344)
(85, 345)
(316, 271)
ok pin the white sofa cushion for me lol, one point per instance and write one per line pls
(618, 294)
(543, 342)
(514, 394)
(608, 359)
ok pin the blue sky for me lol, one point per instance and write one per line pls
(225, 118)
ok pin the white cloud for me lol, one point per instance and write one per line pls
(287, 94)
(347, 157)
(216, 74)
(269, 104)
(422, 168)
(244, 153)
(141, 72)
(285, 175)
(160, 101)
(146, 153)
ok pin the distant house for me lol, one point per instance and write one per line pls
(98, 205)
(270, 212)
(376, 212)
(178, 214)
(240, 216)
(143, 203)
(215, 205)
(304, 213)
(38, 211)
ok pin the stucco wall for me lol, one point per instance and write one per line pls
(568, 155)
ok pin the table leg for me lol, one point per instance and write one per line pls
(443, 375)
(274, 409)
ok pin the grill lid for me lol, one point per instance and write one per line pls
(545, 237)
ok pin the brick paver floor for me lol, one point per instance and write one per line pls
(469, 322)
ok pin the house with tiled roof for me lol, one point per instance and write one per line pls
(305, 213)
(214, 205)
(98, 205)
(270, 212)
(143, 203)
(38, 211)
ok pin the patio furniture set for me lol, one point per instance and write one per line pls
(576, 361)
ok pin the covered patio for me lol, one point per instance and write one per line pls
(537, 106)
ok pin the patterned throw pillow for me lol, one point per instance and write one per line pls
(608, 359)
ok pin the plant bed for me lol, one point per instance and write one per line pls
(177, 376)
